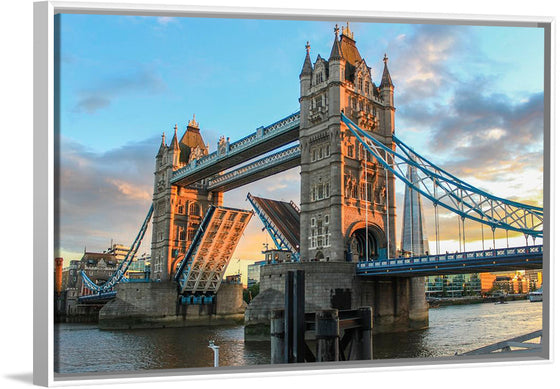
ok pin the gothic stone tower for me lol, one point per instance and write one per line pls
(342, 186)
(177, 210)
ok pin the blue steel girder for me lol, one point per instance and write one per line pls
(263, 140)
(446, 190)
(267, 166)
(519, 258)
(279, 240)
(118, 275)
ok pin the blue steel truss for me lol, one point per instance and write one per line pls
(267, 163)
(260, 136)
(278, 238)
(123, 267)
(472, 261)
(446, 190)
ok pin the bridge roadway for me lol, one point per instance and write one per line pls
(262, 141)
(254, 171)
(503, 259)
(492, 260)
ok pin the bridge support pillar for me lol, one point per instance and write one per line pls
(398, 303)
(327, 333)
(277, 336)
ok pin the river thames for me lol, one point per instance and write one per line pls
(83, 348)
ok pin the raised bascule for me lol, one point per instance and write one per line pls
(343, 232)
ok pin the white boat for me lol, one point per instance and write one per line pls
(535, 296)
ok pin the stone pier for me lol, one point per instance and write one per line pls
(398, 303)
(155, 305)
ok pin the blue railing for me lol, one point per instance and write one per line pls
(262, 134)
(471, 258)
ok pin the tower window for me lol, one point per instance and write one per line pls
(350, 152)
(194, 209)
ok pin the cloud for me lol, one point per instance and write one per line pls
(421, 60)
(146, 81)
(103, 196)
(469, 126)
(165, 20)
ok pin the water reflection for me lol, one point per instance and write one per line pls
(81, 348)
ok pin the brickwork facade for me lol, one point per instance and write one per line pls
(178, 210)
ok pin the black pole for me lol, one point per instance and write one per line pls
(299, 316)
(289, 318)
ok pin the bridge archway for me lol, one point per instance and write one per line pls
(355, 242)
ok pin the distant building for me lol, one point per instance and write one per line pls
(118, 250)
(270, 256)
(455, 285)
(99, 267)
(139, 268)
(254, 273)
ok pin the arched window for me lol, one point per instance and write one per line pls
(194, 209)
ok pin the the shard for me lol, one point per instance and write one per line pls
(414, 241)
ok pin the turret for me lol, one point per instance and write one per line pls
(174, 150)
(386, 89)
(306, 73)
(162, 150)
(336, 59)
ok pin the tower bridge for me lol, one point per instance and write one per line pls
(343, 234)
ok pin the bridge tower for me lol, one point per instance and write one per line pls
(348, 200)
(178, 210)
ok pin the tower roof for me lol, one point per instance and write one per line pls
(307, 67)
(348, 46)
(190, 140)
(386, 77)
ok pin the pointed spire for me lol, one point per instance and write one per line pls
(336, 51)
(307, 67)
(163, 146)
(386, 77)
(174, 142)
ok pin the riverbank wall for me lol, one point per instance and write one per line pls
(156, 305)
(447, 301)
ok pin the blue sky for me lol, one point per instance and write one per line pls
(469, 98)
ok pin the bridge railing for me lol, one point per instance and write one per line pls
(449, 257)
(260, 135)
(287, 154)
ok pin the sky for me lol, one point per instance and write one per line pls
(469, 98)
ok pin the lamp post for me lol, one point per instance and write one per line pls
(216, 350)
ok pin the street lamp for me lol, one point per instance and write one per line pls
(216, 350)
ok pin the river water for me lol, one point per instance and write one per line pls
(83, 348)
